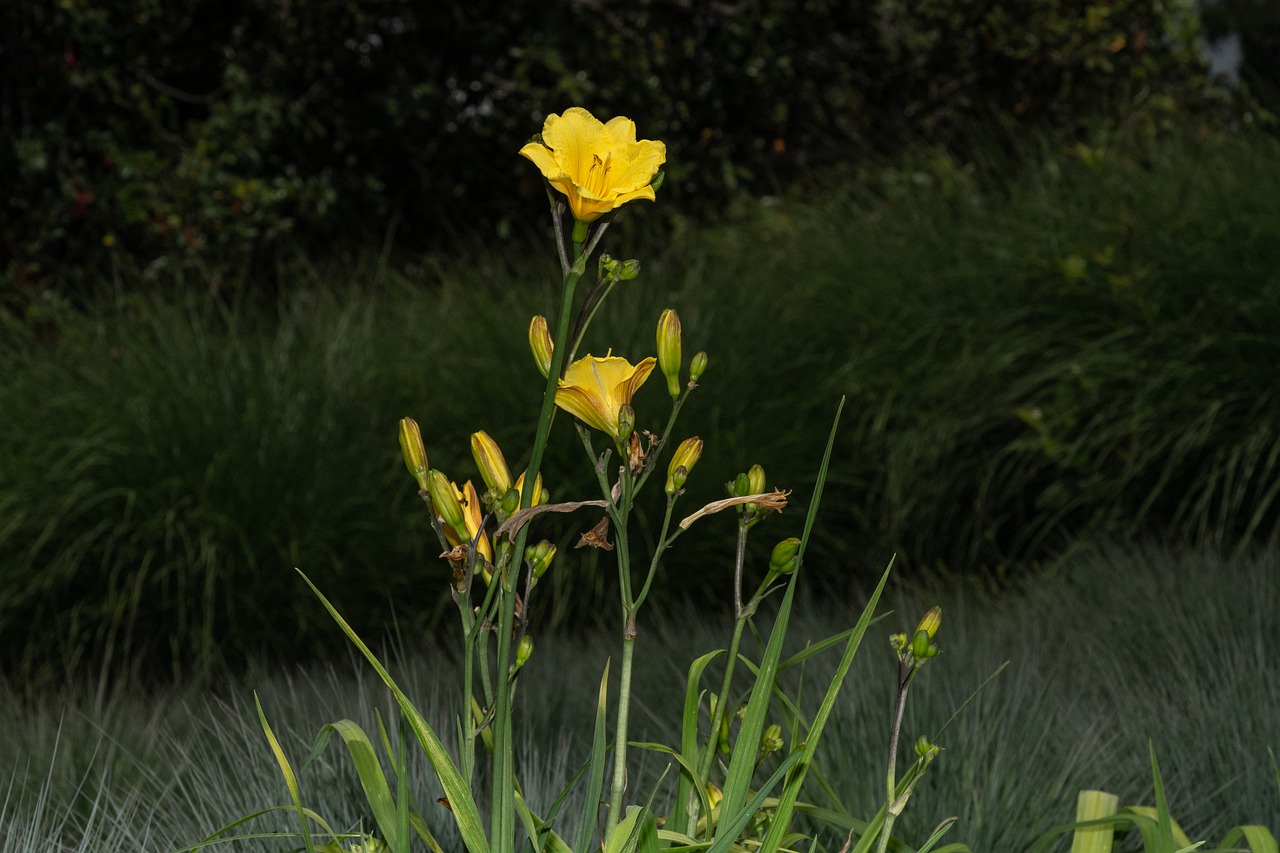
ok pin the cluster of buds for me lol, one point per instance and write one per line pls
(612, 270)
(538, 558)
(501, 494)
(919, 647)
(750, 482)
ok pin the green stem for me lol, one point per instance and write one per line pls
(904, 681)
(620, 745)
(502, 820)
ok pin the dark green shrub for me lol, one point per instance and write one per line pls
(195, 139)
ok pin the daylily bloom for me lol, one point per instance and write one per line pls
(597, 166)
(594, 389)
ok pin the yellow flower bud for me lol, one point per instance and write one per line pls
(415, 454)
(930, 621)
(540, 494)
(714, 795)
(755, 480)
(444, 497)
(541, 344)
(493, 467)
(683, 460)
(669, 358)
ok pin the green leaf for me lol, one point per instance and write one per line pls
(1098, 837)
(791, 790)
(690, 780)
(595, 779)
(376, 790)
(461, 804)
(290, 778)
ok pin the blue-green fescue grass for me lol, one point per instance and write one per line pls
(1086, 346)
(1111, 647)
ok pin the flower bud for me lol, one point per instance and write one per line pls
(669, 357)
(683, 460)
(786, 556)
(524, 650)
(629, 270)
(755, 480)
(626, 421)
(493, 467)
(539, 557)
(771, 740)
(541, 344)
(930, 621)
(921, 648)
(738, 487)
(540, 494)
(926, 748)
(697, 366)
(445, 499)
(415, 454)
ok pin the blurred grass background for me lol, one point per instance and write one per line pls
(1083, 347)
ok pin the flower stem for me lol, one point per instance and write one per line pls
(905, 672)
(620, 746)
(502, 820)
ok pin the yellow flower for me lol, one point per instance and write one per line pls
(594, 389)
(597, 166)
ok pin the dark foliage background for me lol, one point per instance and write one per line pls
(203, 138)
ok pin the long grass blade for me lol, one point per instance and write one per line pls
(461, 803)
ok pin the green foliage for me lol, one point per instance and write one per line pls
(195, 141)
(1084, 349)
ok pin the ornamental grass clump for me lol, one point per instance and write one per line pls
(739, 764)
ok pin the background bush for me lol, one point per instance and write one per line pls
(203, 137)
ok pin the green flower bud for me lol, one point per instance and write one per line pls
(786, 556)
(669, 357)
(492, 465)
(771, 740)
(697, 367)
(539, 557)
(524, 650)
(415, 454)
(540, 343)
(510, 502)
(445, 499)
(925, 748)
(755, 480)
(626, 421)
(738, 487)
(629, 270)
(921, 648)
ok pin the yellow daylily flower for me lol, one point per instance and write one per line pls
(598, 166)
(594, 389)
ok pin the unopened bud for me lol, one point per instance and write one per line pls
(524, 650)
(785, 558)
(683, 460)
(669, 357)
(755, 480)
(445, 499)
(415, 454)
(626, 421)
(930, 621)
(697, 366)
(921, 648)
(738, 487)
(540, 343)
(771, 740)
(540, 495)
(492, 465)
(539, 557)
(629, 270)
(926, 748)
